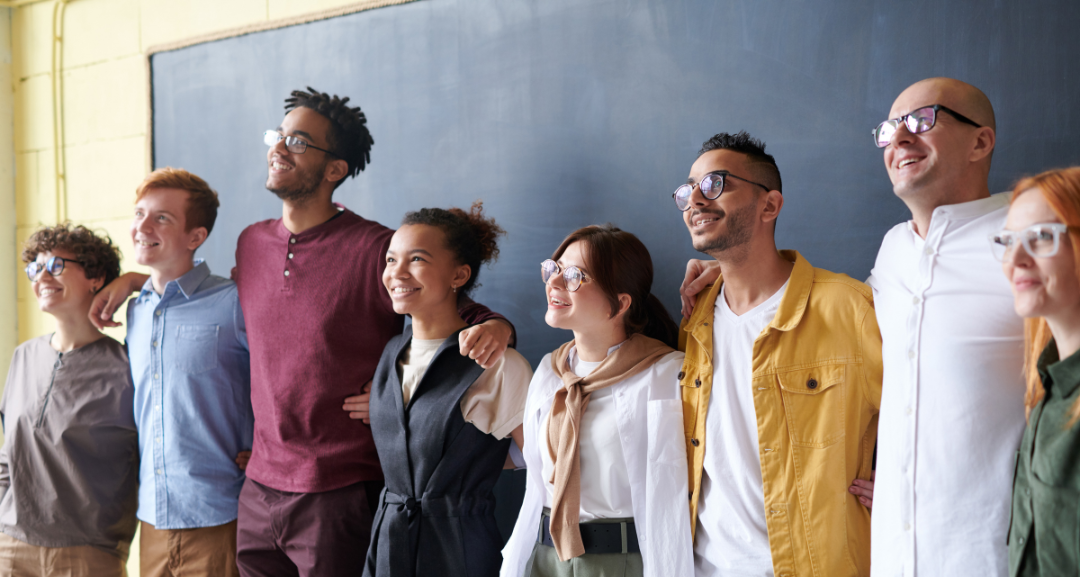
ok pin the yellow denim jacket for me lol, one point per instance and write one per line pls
(817, 390)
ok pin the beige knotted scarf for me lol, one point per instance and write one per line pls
(636, 354)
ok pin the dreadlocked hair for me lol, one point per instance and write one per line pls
(349, 137)
(470, 235)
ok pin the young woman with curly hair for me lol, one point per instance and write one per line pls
(69, 463)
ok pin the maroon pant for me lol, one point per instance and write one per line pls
(283, 534)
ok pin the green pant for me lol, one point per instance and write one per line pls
(544, 562)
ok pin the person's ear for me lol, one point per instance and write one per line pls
(196, 237)
(461, 276)
(336, 170)
(984, 144)
(773, 202)
(624, 304)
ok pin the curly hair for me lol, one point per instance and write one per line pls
(471, 236)
(763, 165)
(100, 258)
(349, 137)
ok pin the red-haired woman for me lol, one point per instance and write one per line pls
(1040, 253)
(607, 474)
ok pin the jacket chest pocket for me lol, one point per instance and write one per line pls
(814, 404)
(196, 348)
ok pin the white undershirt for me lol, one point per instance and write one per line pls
(732, 538)
(605, 483)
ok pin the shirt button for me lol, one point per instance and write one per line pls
(292, 241)
(286, 273)
(914, 300)
(694, 442)
(928, 250)
(909, 410)
(153, 344)
(290, 255)
(158, 471)
(907, 526)
(1021, 540)
(158, 313)
(156, 376)
(911, 354)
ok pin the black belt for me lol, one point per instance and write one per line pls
(598, 536)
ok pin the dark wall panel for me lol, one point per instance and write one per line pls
(563, 113)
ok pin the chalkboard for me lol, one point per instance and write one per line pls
(562, 113)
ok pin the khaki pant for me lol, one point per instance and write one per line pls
(183, 552)
(19, 559)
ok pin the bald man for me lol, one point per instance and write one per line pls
(952, 408)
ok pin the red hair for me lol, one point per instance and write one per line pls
(1061, 190)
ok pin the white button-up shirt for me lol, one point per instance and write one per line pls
(648, 410)
(952, 405)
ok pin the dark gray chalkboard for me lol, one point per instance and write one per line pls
(562, 113)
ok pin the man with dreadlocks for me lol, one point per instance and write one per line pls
(318, 319)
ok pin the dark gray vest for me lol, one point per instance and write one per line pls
(436, 515)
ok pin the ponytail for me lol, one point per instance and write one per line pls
(658, 323)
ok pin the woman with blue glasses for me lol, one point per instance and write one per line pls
(69, 463)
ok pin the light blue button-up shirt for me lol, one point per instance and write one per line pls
(190, 363)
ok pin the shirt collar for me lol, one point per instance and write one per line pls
(965, 210)
(1062, 375)
(188, 283)
(792, 304)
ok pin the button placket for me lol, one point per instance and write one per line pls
(289, 256)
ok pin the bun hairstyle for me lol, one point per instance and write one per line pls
(469, 235)
(619, 263)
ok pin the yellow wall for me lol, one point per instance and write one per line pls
(104, 119)
(104, 111)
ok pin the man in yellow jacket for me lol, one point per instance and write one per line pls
(781, 384)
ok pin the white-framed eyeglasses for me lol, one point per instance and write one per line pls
(1039, 240)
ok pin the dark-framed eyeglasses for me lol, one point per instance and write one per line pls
(55, 266)
(1039, 240)
(917, 121)
(572, 275)
(293, 144)
(711, 186)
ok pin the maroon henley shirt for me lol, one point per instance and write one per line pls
(317, 321)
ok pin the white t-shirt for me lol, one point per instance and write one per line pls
(606, 494)
(732, 538)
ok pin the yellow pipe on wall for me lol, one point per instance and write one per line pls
(59, 158)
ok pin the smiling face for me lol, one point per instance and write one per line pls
(67, 295)
(295, 177)
(1047, 286)
(157, 230)
(583, 310)
(728, 222)
(421, 272)
(936, 161)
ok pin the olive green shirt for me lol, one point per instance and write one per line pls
(1044, 538)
